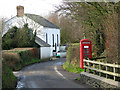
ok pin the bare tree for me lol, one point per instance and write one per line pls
(71, 31)
(99, 21)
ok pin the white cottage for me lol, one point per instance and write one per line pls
(47, 34)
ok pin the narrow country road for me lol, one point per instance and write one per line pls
(47, 75)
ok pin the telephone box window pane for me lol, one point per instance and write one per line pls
(86, 56)
(86, 52)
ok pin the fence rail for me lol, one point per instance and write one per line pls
(98, 68)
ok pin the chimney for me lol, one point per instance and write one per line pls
(20, 11)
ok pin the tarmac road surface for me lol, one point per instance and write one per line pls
(47, 75)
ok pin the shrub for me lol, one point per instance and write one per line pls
(15, 59)
(73, 55)
(72, 63)
(72, 68)
(11, 59)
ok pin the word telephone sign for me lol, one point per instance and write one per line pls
(85, 50)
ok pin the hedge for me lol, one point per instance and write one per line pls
(15, 59)
(72, 63)
(73, 55)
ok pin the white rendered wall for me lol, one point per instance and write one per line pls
(45, 52)
(49, 32)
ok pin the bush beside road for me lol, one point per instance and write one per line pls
(16, 59)
(73, 59)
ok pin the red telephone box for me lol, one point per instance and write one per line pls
(85, 50)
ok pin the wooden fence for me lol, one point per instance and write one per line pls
(111, 71)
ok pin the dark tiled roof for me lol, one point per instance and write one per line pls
(41, 42)
(42, 21)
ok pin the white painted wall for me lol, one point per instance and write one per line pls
(50, 32)
(45, 52)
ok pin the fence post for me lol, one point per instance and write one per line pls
(114, 72)
(94, 67)
(106, 70)
(84, 65)
(99, 69)
(88, 66)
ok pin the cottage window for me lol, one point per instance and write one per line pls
(53, 39)
(57, 40)
(46, 38)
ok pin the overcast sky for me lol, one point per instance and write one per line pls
(39, 7)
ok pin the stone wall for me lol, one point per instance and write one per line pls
(98, 82)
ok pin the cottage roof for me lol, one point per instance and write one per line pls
(42, 21)
(41, 42)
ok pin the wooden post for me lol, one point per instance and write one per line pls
(94, 67)
(118, 33)
(88, 66)
(114, 72)
(85, 65)
(106, 70)
(99, 69)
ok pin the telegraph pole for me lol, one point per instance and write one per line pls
(119, 34)
(1, 30)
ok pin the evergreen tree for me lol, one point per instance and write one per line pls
(18, 37)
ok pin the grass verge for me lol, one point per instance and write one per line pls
(71, 68)
(8, 78)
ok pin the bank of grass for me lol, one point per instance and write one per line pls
(26, 63)
(72, 63)
(8, 79)
(78, 79)
(31, 61)
(72, 68)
